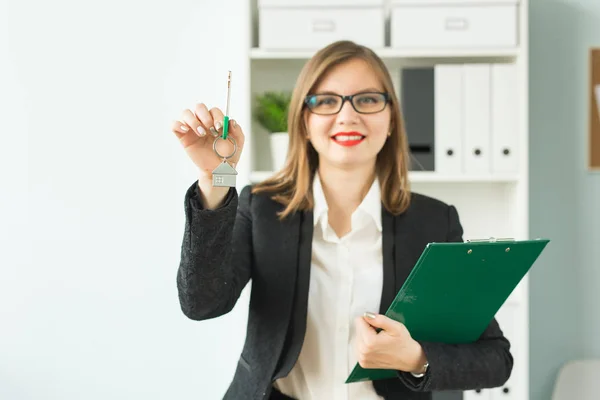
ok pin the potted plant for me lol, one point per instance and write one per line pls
(271, 113)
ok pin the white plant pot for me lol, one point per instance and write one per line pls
(279, 148)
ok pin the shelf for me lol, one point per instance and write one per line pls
(389, 53)
(425, 177)
(433, 177)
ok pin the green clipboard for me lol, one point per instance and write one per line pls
(454, 291)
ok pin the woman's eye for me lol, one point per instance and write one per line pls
(368, 99)
(327, 101)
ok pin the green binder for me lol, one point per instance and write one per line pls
(455, 290)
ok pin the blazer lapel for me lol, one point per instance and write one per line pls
(281, 256)
(405, 250)
(296, 291)
(398, 255)
(278, 277)
(304, 264)
(388, 252)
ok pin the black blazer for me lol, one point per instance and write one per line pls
(243, 239)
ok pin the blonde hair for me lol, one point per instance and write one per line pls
(292, 185)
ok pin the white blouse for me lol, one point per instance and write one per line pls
(346, 280)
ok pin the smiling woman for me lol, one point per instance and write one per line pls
(363, 120)
(364, 102)
(327, 243)
(341, 124)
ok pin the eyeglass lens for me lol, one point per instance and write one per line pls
(331, 103)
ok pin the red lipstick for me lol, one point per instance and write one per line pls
(348, 139)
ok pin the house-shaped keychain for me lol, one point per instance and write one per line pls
(224, 175)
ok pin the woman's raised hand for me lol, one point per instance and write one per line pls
(197, 130)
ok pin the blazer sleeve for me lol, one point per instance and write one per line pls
(216, 254)
(486, 363)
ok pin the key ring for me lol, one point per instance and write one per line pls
(232, 140)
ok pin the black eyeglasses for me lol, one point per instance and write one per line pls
(363, 103)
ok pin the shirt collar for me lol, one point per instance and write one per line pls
(371, 204)
(320, 203)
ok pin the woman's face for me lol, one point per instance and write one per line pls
(348, 139)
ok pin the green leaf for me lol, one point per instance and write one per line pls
(271, 110)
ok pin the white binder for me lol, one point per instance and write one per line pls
(448, 104)
(505, 118)
(483, 394)
(477, 137)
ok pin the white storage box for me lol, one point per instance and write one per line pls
(448, 24)
(310, 25)
(319, 3)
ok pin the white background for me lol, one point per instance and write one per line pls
(91, 201)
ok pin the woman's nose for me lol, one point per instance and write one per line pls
(347, 114)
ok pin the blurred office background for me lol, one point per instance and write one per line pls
(91, 196)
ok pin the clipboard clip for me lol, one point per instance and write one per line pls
(491, 240)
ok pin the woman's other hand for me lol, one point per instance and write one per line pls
(391, 348)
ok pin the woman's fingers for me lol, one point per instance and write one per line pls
(190, 119)
(206, 118)
(236, 132)
(180, 128)
(225, 148)
(184, 133)
(200, 125)
(217, 117)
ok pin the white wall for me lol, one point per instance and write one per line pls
(91, 196)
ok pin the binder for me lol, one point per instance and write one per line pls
(448, 118)
(505, 118)
(418, 108)
(477, 133)
(455, 290)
